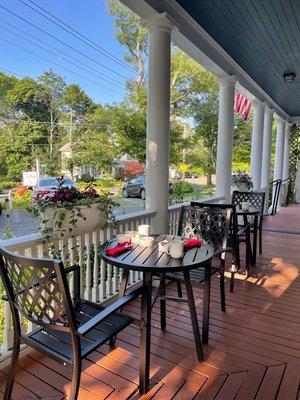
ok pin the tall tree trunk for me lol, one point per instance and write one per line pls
(208, 179)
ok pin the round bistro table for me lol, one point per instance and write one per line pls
(152, 262)
(255, 213)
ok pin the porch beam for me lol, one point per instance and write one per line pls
(158, 119)
(257, 143)
(225, 136)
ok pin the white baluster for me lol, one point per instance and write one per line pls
(71, 250)
(8, 333)
(80, 241)
(95, 289)
(88, 266)
(102, 287)
(108, 272)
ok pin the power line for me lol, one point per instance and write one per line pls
(56, 49)
(62, 42)
(57, 55)
(60, 66)
(77, 34)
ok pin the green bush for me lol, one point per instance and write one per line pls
(8, 184)
(22, 202)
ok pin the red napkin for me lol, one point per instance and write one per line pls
(118, 249)
(189, 244)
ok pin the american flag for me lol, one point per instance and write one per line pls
(242, 105)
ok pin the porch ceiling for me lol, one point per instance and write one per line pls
(262, 37)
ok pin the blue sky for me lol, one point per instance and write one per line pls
(89, 17)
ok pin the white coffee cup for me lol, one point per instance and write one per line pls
(163, 246)
(176, 248)
(245, 205)
(144, 230)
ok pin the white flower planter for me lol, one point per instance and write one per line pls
(58, 220)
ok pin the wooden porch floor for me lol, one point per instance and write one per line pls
(253, 352)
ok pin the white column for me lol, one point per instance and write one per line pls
(266, 154)
(286, 161)
(158, 120)
(286, 153)
(279, 148)
(278, 166)
(225, 137)
(256, 143)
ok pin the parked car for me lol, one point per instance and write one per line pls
(46, 187)
(136, 187)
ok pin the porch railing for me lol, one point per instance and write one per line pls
(99, 280)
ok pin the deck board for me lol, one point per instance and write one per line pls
(253, 351)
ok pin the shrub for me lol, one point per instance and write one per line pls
(8, 184)
(133, 168)
(22, 201)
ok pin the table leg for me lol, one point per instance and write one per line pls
(193, 314)
(145, 333)
(206, 303)
(163, 303)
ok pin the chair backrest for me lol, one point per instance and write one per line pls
(221, 206)
(255, 199)
(38, 290)
(210, 224)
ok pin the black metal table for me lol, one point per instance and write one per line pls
(255, 213)
(151, 262)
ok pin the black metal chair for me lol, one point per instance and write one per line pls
(67, 330)
(212, 225)
(236, 236)
(257, 201)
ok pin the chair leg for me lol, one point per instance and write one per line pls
(163, 313)
(248, 255)
(260, 239)
(75, 380)
(179, 289)
(13, 369)
(222, 281)
(231, 288)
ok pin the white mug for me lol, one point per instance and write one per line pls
(144, 230)
(176, 248)
(163, 246)
(245, 205)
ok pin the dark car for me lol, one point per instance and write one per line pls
(47, 186)
(136, 187)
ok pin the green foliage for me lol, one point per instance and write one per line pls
(22, 202)
(8, 184)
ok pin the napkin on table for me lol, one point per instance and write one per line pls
(118, 249)
(189, 244)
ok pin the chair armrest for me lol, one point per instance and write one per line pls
(74, 267)
(89, 325)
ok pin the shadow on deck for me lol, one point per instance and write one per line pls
(253, 352)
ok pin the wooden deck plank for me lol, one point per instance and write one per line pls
(253, 352)
(271, 383)
(290, 384)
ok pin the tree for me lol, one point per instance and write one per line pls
(94, 142)
(52, 96)
(129, 31)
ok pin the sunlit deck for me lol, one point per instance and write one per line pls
(253, 352)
